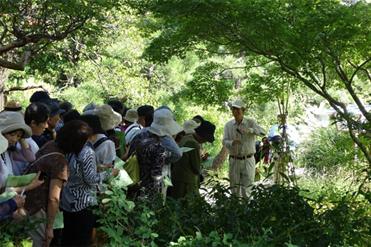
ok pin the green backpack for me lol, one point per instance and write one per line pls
(131, 166)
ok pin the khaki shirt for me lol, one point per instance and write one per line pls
(247, 145)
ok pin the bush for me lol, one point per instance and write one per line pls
(326, 150)
(276, 216)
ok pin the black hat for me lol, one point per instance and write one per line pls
(142, 110)
(94, 123)
(206, 131)
(198, 119)
(65, 105)
(54, 106)
(71, 115)
(39, 95)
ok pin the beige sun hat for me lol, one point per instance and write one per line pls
(163, 123)
(189, 126)
(11, 121)
(3, 144)
(109, 119)
(131, 115)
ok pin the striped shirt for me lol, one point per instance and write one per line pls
(79, 192)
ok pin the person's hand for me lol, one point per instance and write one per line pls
(48, 235)
(235, 142)
(35, 182)
(205, 156)
(20, 200)
(245, 130)
(115, 172)
(125, 156)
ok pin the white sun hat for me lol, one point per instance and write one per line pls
(163, 123)
(3, 144)
(189, 126)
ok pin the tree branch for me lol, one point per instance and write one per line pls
(16, 66)
(6, 91)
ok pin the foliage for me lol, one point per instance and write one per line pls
(12, 231)
(276, 216)
(327, 150)
(319, 44)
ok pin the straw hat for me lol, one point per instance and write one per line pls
(12, 121)
(13, 105)
(109, 119)
(163, 123)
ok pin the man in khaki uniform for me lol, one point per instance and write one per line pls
(239, 139)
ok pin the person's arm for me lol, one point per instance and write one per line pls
(34, 184)
(172, 147)
(195, 160)
(8, 207)
(24, 153)
(55, 188)
(254, 128)
(89, 172)
(228, 140)
(24, 143)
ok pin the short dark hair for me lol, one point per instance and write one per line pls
(117, 106)
(148, 118)
(65, 105)
(71, 115)
(72, 137)
(36, 111)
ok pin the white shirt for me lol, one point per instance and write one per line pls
(132, 131)
(105, 153)
(247, 144)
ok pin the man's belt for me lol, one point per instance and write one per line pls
(241, 157)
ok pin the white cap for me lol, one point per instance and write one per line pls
(238, 103)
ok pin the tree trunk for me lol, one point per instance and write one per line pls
(4, 74)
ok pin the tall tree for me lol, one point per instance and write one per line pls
(28, 27)
(321, 44)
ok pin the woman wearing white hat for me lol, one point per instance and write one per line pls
(8, 207)
(14, 129)
(151, 152)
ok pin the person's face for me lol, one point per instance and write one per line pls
(141, 121)
(237, 112)
(53, 121)
(13, 137)
(38, 129)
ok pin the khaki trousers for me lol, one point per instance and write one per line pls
(241, 176)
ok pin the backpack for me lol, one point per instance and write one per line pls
(131, 166)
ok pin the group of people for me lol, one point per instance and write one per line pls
(72, 154)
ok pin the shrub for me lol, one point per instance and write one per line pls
(326, 150)
(276, 216)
